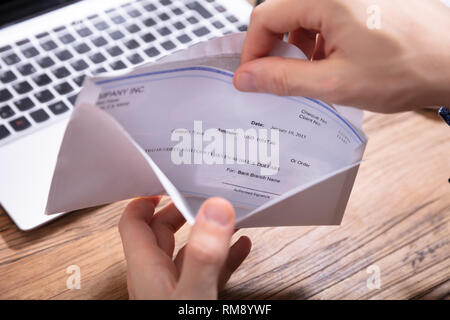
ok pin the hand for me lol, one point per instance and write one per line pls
(200, 268)
(403, 65)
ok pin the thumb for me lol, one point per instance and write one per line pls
(207, 250)
(289, 77)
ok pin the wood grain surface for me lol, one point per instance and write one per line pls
(397, 219)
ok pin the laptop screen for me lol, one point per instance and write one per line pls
(12, 11)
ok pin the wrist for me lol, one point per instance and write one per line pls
(432, 82)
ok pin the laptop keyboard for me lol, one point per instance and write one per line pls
(41, 76)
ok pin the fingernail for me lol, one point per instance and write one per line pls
(245, 82)
(216, 213)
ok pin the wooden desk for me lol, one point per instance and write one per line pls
(397, 219)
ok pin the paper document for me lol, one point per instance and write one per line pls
(179, 127)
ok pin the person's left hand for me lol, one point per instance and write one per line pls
(199, 269)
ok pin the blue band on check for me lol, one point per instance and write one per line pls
(230, 75)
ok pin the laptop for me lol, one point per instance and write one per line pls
(48, 47)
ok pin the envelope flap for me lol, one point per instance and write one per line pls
(322, 203)
(93, 139)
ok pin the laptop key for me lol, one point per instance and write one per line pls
(79, 65)
(164, 31)
(149, 22)
(4, 132)
(79, 80)
(177, 11)
(63, 88)
(152, 52)
(148, 37)
(22, 42)
(163, 16)
(44, 96)
(22, 87)
(165, 2)
(73, 99)
(150, 7)
(232, 19)
(200, 9)
(58, 108)
(184, 38)
(101, 25)
(67, 38)
(42, 79)
(48, 45)
(30, 52)
(5, 48)
(59, 29)
(64, 55)
(97, 58)
(7, 76)
(99, 70)
(5, 95)
(6, 112)
(24, 104)
(218, 24)
(118, 19)
(45, 62)
(192, 20)
(20, 124)
(201, 31)
(220, 9)
(168, 45)
(179, 25)
(82, 48)
(99, 42)
(131, 44)
(61, 72)
(11, 59)
(84, 32)
(243, 28)
(135, 58)
(133, 28)
(39, 116)
(116, 35)
(134, 13)
(26, 69)
(42, 35)
(118, 65)
(114, 51)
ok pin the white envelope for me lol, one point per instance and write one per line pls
(119, 142)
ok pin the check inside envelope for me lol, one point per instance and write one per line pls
(180, 127)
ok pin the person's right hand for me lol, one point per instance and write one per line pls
(403, 65)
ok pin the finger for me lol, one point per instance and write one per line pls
(305, 40)
(319, 51)
(164, 224)
(151, 271)
(180, 255)
(133, 225)
(238, 252)
(154, 199)
(207, 250)
(276, 17)
(179, 259)
(291, 77)
(130, 287)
